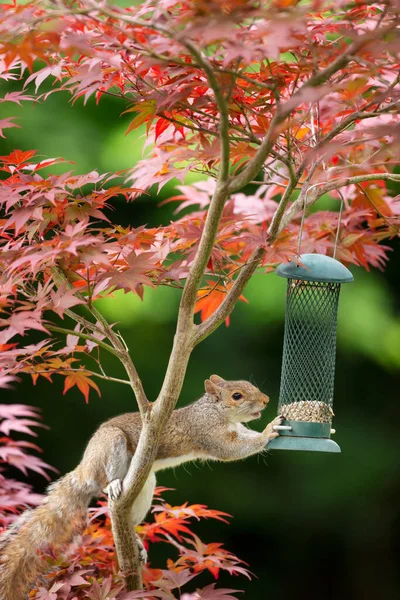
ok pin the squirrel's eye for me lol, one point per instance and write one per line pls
(237, 396)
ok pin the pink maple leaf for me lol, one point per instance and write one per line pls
(6, 124)
(10, 411)
(63, 299)
(212, 593)
(21, 321)
(21, 425)
(174, 579)
(13, 455)
(16, 97)
(50, 594)
(103, 591)
(6, 380)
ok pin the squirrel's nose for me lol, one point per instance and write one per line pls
(265, 399)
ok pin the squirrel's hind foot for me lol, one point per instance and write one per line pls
(114, 489)
(142, 550)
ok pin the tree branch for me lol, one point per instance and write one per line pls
(277, 217)
(313, 193)
(254, 166)
(84, 336)
(82, 321)
(225, 308)
(183, 342)
(338, 183)
(222, 109)
(123, 354)
(126, 546)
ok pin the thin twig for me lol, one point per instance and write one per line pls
(85, 336)
(336, 183)
(315, 192)
(379, 212)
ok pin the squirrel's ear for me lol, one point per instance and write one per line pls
(216, 379)
(211, 388)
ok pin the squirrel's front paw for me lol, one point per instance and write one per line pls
(114, 489)
(270, 431)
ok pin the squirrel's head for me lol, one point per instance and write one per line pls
(239, 401)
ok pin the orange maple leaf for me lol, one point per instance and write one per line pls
(82, 380)
(208, 299)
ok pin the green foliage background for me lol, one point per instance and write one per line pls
(310, 525)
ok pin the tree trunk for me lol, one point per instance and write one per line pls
(127, 548)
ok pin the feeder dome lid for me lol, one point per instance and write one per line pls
(316, 267)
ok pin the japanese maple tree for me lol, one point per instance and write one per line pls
(299, 99)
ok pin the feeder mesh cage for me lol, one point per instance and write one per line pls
(309, 351)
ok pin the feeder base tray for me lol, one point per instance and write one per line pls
(311, 444)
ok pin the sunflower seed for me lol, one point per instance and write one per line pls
(310, 411)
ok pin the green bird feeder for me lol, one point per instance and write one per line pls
(308, 367)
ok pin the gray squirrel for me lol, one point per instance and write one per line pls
(211, 429)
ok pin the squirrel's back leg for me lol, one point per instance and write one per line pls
(106, 460)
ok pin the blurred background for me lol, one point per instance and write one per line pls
(310, 525)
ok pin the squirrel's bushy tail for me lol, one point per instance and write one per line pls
(56, 522)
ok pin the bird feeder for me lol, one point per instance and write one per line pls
(308, 367)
